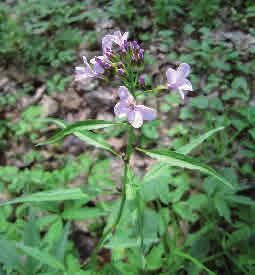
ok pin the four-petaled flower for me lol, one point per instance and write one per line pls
(117, 38)
(126, 107)
(87, 71)
(176, 79)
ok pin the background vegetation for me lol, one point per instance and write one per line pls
(192, 224)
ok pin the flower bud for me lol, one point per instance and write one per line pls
(109, 54)
(141, 80)
(135, 46)
(140, 54)
(121, 71)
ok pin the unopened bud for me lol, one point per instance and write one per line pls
(121, 71)
(140, 54)
(141, 80)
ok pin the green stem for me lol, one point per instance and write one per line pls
(112, 228)
(140, 227)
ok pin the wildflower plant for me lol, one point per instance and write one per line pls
(125, 59)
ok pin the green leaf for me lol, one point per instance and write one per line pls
(200, 102)
(42, 256)
(193, 260)
(239, 199)
(90, 124)
(180, 160)
(9, 256)
(252, 133)
(186, 149)
(54, 232)
(95, 140)
(85, 213)
(59, 122)
(184, 210)
(222, 208)
(31, 231)
(55, 195)
(31, 238)
(61, 244)
(154, 258)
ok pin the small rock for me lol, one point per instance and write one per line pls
(100, 99)
(116, 143)
(70, 100)
(3, 82)
(27, 100)
(50, 106)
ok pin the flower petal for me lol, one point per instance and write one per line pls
(125, 95)
(98, 69)
(125, 36)
(85, 60)
(80, 73)
(147, 113)
(171, 75)
(121, 109)
(135, 118)
(107, 41)
(185, 85)
(117, 35)
(88, 71)
(183, 71)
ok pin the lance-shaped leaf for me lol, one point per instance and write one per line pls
(41, 256)
(91, 124)
(197, 141)
(55, 195)
(180, 160)
(95, 140)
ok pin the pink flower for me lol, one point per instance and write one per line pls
(177, 79)
(117, 38)
(126, 107)
(87, 71)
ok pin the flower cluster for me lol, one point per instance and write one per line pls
(126, 59)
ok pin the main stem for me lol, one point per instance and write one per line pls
(126, 161)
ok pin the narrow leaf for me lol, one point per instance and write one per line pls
(55, 195)
(180, 160)
(61, 244)
(41, 256)
(194, 261)
(94, 139)
(59, 122)
(186, 149)
(83, 214)
(31, 238)
(90, 124)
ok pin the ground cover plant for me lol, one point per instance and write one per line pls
(100, 195)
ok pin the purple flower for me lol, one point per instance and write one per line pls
(140, 54)
(109, 54)
(101, 61)
(176, 79)
(134, 45)
(117, 38)
(87, 71)
(126, 107)
(141, 80)
(121, 71)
